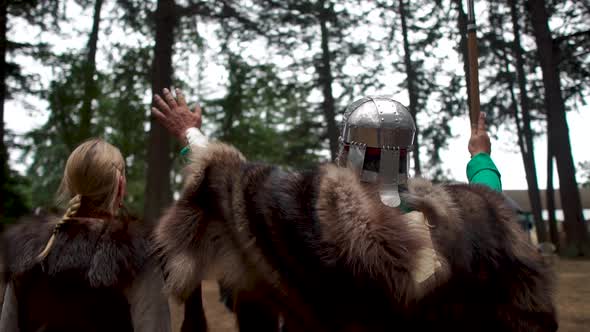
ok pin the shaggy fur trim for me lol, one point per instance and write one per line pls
(107, 254)
(480, 237)
(509, 249)
(190, 239)
(370, 237)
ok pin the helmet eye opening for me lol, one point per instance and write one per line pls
(373, 160)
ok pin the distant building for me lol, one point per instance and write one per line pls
(521, 198)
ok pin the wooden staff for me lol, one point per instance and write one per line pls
(473, 65)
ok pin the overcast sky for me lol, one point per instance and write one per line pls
(20, 118)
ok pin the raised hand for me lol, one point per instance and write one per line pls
(174, 114)
(480, 141)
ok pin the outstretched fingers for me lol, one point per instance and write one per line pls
(161, 104)
(158, 115)
(169, 99)
(180, 97)
(481, 123)
(197, 110)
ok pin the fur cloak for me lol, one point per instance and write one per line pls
(320, 248)
(97, 277)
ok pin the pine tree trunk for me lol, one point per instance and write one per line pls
(325, 80)
(158, 193)
(528, 155)
(411, 80)
(462, 24)
(577, 233)
(89, 71)
(3, 149)
(539, 224)
(550, 198)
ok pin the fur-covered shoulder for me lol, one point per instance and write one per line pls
(106, 253)
(474, 225)
(473, 204)
(216, 157)
(178, 238)
(375, 238)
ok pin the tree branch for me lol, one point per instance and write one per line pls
(227, 11)
(570, 36)
(193, 9)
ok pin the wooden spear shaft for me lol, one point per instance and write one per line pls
(473, 66)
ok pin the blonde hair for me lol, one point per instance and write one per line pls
(91, 180)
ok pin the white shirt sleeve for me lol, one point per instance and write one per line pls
(196, 138)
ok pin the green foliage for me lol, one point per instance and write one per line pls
(14, 188)
(16, 193)
(299, 39)
(52, 143)
(124, 115)
(499, 75)
(572, 38)
(119, 117)
(265, 117)
(436, 101)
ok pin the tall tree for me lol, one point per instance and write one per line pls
(168, 15)
(122, 112)
(158, 191)
(550, 199)
(71, 98)
(90, 89)
(261, 109)
(558, 130)
(319, 32)
(524, 131)
(411, 83)
(3, 150)
(524, 142)
(324, 13)
(13, 84)
(418, 27)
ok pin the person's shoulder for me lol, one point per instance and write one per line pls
(22, 242)
(29, 229)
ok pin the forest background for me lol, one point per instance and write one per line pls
(274, 76)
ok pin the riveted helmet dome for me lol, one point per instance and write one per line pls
(376, 138)
(378, 122)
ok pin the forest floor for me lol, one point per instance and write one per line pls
(573, 300)
(573, 295)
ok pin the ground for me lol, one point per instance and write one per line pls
(573, 300)
(573, 295)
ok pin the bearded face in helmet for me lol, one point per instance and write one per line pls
(377, 136)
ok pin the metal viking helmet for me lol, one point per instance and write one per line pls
(377, 134)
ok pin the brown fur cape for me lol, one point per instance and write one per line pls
(97, 277)
(321, 249)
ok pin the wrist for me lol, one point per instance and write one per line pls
(182, 139)
(195, 137)
(475, 153)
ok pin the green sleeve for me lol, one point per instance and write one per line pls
(482, 170)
